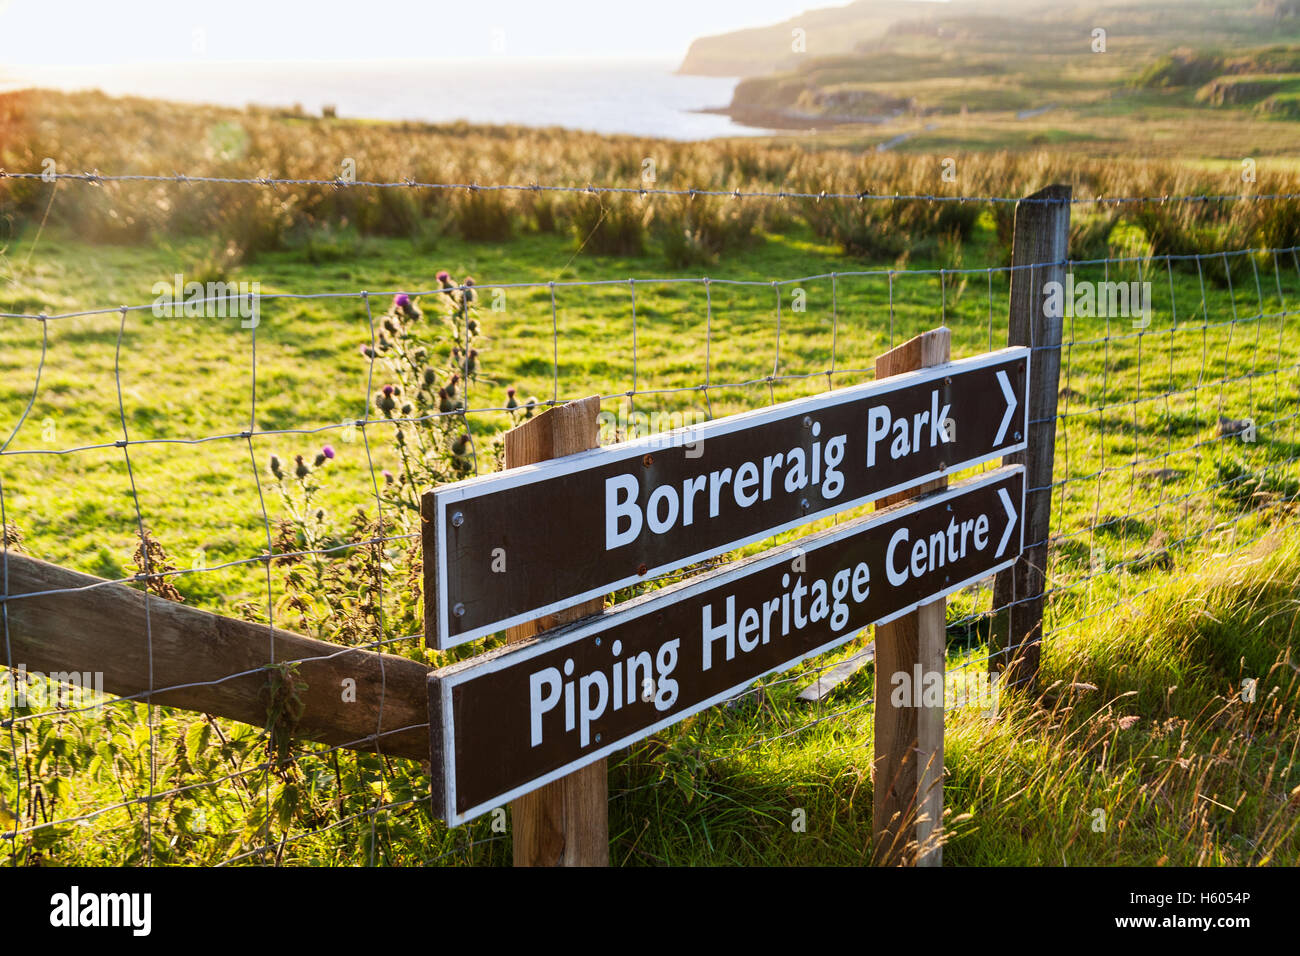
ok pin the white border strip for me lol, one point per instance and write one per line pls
(474, 668)
(597, 457)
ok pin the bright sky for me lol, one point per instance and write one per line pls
(92, 32)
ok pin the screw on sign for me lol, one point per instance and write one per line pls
(612, 516)
(509, 721)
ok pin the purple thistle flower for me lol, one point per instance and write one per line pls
(401, 300)
(444, 277)
(328, 451)
(388, 390)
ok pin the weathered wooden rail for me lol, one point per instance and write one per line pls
(177, 656)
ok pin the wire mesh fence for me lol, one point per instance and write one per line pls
(261, 455)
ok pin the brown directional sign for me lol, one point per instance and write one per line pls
(522, 543)
(507, 722)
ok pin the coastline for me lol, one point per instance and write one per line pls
(612, 97)
(769, 118)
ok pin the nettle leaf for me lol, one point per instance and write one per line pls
(197, 736)
(43, 752)
(49, 837)
(286, 805)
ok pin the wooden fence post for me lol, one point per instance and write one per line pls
(566, 822)
(908, 766)
(1040, 245)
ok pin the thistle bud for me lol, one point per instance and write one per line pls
(430, 376)
(444, 401)
(461, 445)
(275, 467)
(511, 402)
(302, 471)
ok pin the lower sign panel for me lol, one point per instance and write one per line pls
(508, 722)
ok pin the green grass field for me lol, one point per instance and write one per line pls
(1136, 492)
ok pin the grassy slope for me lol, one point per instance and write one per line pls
(187, 379)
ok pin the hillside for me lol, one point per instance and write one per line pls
(1022, 75)
(830, 30)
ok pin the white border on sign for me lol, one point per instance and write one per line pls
(652, 603)
(528, 474)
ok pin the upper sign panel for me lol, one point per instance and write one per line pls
(516, 545)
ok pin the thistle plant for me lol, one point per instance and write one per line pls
(430, 355)
(305, 530)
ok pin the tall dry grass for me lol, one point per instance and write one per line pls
(90, 131)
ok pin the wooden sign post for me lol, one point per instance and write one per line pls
(1040, 246)
(908, 765)
(566, 822)
(534, 550)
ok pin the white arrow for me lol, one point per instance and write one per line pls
(1011, 519)
(1010, 396)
